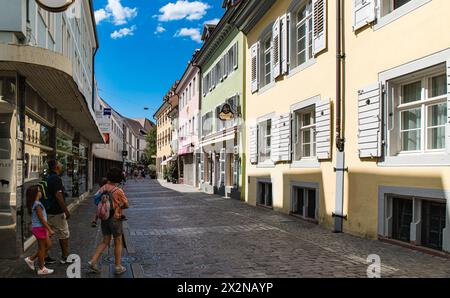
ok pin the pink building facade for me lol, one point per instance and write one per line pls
(188, 92)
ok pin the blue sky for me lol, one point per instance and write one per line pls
(145, 46)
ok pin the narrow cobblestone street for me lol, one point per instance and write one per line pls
(175, 231)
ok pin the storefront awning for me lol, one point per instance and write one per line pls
(52, 76)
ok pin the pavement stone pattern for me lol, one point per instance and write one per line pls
(180, 232)
(176, 231)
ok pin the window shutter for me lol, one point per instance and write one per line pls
(276, 59)
(253, 146)
(222, 167)
(235, 56)
(447, 126)
(284, 43)
(363, 13)
(320, 25)
(225, 66)
(323, 129)
(369, 121)
(202, 167)
(281, 138)
(275, 139)
(255, 67)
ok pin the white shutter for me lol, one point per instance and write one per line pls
(281, 138)
(255, 66)
(275, 139)
(276, 57)
(369, 121)
(225, 65)
(363, 13)
(323, 129)
(235, 56)
(222, 167)
(320, 25)
(202, 167)
(447, 126)
(284, 43)
(253, 145)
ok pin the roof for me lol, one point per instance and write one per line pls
(145, 123)
(136, 127)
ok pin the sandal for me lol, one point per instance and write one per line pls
(120, 270)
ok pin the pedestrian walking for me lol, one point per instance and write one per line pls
(40, 229)
(110, 213)
(58, 214)
(136, 175)
(103, 181)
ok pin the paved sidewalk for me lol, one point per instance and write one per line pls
(83, 241)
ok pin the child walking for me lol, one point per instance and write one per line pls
(40, 229)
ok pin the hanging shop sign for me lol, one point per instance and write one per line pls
(55, 5)
(226, 113)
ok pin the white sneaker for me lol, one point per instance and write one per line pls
(45, 271)
(30, 263)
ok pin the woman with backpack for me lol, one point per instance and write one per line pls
(40, 229)
(109, 210)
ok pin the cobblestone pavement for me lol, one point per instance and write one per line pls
(179, 232)
(175, 231)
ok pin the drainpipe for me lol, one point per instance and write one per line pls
(340, 140)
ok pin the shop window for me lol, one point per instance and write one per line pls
(265, 194)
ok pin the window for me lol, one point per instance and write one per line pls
(421, 114)
(305, 133)
(304, 34)
(207, 123)
(388, 6)
(304, 202)
(267, 61)
(264, 140)
(265, 194)
(429, 223)
(433, 224)
(401, 218)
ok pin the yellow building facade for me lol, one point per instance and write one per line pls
(395, 92)
(164, 137)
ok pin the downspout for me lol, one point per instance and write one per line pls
(340, 140)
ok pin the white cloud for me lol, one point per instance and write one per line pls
(123, 32)
(101, 15)
(192, 33)
(183, 9)
(115, 12)
(213, 21)
(160, 29)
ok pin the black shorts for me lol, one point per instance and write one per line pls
(112, 227)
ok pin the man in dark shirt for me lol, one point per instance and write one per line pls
(58, 214)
